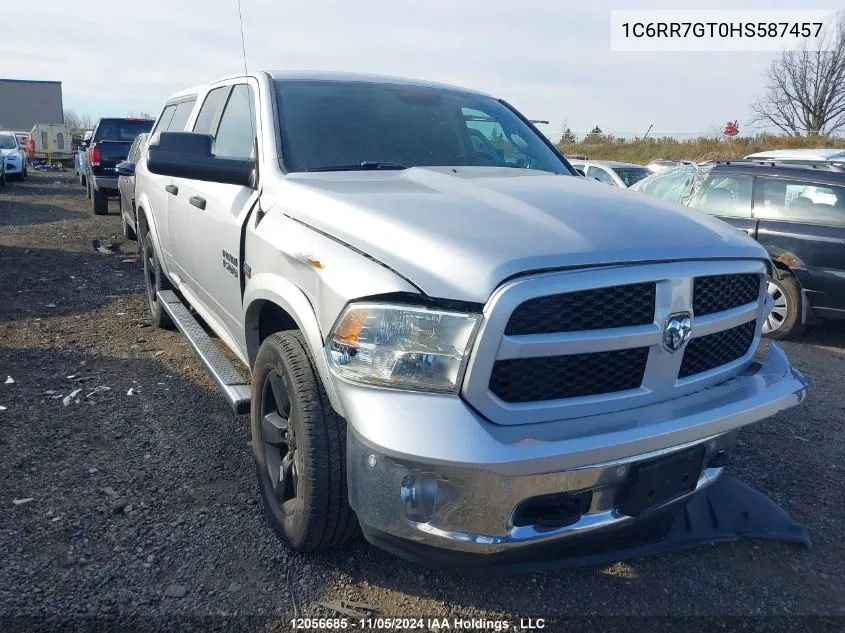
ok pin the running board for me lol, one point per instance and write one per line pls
(236, 391)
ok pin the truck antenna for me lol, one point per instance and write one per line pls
(243, 42)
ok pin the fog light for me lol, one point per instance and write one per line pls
(418, 494)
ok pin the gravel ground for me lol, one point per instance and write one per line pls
(143, 508)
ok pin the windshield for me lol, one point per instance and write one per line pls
(630, 175)
(337, 124)
(121, 129)
(7, 141)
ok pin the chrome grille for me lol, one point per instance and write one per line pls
(571, 376)
(594, 309)
(593, 356)
(708, 352)
(716, 293)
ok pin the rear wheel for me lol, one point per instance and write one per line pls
(99, 202)
(784, 321)
(299, 443)
(154, 280)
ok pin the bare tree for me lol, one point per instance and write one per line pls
(77, 124)
(140, 115)
(805, 91)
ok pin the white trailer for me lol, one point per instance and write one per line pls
(51, 142)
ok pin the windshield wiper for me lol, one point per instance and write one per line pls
(362, 166)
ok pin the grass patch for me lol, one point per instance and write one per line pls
(700, 149)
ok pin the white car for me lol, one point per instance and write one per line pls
(659, 165)
(800, 154)
(612, 172)
(13, 156)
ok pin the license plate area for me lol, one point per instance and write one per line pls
(661, 480)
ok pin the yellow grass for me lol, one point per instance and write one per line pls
(700, 149)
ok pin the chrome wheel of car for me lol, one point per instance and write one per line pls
(779, 312)
(279, 441)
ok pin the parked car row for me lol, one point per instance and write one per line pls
(96, 159)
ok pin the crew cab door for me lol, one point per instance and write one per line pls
(217, 211)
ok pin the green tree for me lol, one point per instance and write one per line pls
(566, 136)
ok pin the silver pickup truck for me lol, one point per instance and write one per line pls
(447, 336)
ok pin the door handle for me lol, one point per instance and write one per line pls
(172, 189)
(198, 202)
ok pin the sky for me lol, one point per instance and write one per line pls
(549, 58)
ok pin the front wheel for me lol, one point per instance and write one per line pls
(784, 321)
(299, 443)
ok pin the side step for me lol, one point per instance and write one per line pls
(236, 391)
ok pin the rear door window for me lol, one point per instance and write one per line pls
(164, 118)
(209, 114)
(180, 116)
(727, 195)
(797, 201)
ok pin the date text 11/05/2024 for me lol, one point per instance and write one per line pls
(425, 624)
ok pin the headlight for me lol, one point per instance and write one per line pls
(401, 346)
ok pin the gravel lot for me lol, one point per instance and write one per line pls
(144, 508)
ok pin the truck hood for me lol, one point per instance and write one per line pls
(457, 233)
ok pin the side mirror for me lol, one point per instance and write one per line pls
(125, 168)
(188, 155)
(581, 172)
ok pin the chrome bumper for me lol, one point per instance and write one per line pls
(427, 469)
(105, 183)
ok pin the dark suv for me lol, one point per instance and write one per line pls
(795, 210)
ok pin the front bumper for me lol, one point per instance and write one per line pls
(427, 470)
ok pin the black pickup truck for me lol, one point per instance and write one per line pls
(110, 144)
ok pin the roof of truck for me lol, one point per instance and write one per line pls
(293, 75)
(302, 75)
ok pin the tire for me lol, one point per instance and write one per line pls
(317, 515)
(784, 321)
(99, 202)
(154, 281)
